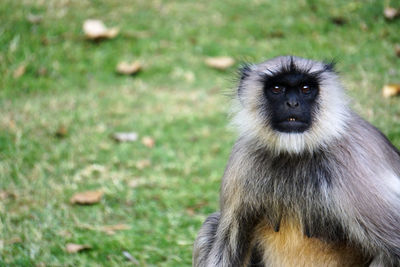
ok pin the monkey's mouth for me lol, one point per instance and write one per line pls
(291, 125)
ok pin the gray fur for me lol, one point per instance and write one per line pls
(205, 239)
(344, 186)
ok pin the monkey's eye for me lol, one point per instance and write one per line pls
(306, 89)
(277, 89)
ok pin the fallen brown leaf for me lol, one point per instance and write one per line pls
(129, 68)
(61, 131)
(141, 164)
(18, 72)
(14, 240)
(390, 90)
(95, 30)
(87, 197)
(397, 50)
(190, 211)
(391, 13)
(220, 63)
(74, 248)
(148, 141)
(125, 137)
(110, 229)
(6, 195)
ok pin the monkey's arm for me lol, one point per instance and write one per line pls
(370, 209)
(368, 192)
(233, 238)
(205, 240)
(376, 225)
(240, 214)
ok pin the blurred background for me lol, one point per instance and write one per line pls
(114, 136)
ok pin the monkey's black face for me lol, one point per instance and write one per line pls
(291, 98)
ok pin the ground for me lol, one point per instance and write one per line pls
(70, 82)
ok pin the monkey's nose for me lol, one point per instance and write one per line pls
(292, 103)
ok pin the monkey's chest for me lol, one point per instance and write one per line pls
(290, 247)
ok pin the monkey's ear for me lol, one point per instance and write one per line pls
(330, 65)
(243, 73)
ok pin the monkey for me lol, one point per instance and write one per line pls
(308, 182)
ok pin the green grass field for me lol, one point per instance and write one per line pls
(177, 100)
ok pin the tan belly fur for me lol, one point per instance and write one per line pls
(290, 247)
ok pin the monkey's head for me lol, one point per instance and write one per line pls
(291, 104)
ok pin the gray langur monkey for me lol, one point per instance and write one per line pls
(308, 182)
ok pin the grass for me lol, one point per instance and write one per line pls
(176, 99)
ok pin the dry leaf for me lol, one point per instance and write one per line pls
(61, 132)
(18, 72)
(148, 141)
(110, 229)
(390, 13)
(130, 258)
(87, 197)
(129, 68)
(141, 164)
(14, 240)
(34, 19)
(125, 137)
(116, 227)
(397, 50)
(6, 195)
(95, 30)
(74, 248)
(190, 211)
(390, 90)
(220, 63)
